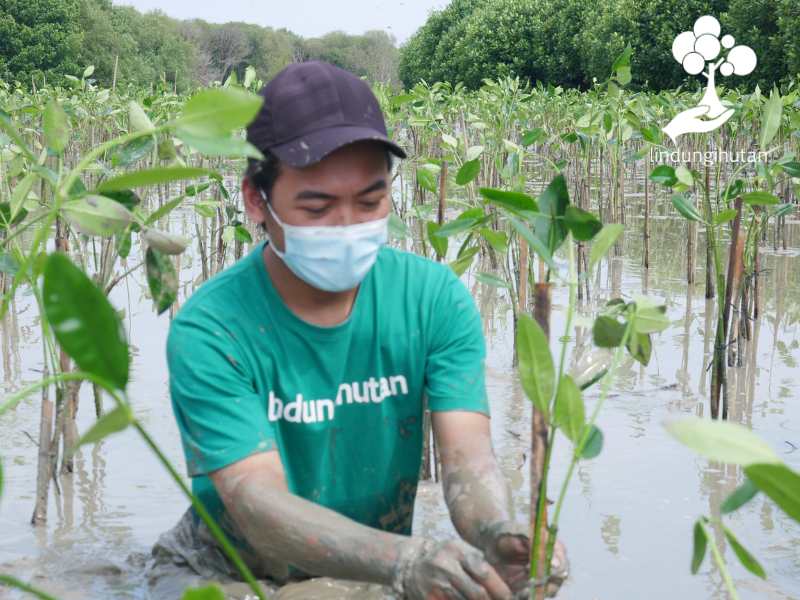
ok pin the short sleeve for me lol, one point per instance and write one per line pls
(456, 365)
(221, 417)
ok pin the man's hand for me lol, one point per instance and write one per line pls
(428, 570)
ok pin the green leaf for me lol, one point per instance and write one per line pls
(568, 411)
(530, 137)
(97, 215)
(166, 150)
(784, 209)
(474, 152)
(227, 145)
(492, 280)
(583, 225)
(639, 346)
(20, 194)
(216, 112)
(623, 60)
(732, 190)
(84, 322)
(534, 242)
(650, 320)
(398, 229)
(241, 234)
(741, 496)
(464, 262)
(791, 168)
(439, 244)
(455, 227)
(722, 441)
(135, 150)
(249, 77)
(426, 178)
(664, 175)
(150, 177)
(700, 543)
(686, 208)
(113, 422)
(770, 118)
(536, 371)
(166, 243)
(552, 203)
(495, 239)
(204, 211)
(56, 127)
(9, 264)
(162, 279)
(164, 209)
(778, 482)
(209, 592)
(608, 332)
(123, 242)
(5, 210)
(139, 119)
(760, 198)
(194, 189)
(684, 175)
(749, 563)
(468, 171)
(127, 198)
(594, 443)
(514, 201)
(604, 241)
(726, 216)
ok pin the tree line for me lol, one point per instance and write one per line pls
(568, 42)
(43, 40)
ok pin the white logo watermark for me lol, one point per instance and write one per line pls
(696, 50)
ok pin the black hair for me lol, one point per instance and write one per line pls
(264, 173)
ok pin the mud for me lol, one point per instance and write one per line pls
(628, 516)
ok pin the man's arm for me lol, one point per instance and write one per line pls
(288, 530)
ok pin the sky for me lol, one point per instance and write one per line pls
(307, 18)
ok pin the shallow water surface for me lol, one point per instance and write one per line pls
(628, 516)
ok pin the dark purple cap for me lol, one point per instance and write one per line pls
(313, 108)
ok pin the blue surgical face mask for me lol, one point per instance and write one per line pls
(331, 258)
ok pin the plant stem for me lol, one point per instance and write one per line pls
(720, 562)
(7, 579)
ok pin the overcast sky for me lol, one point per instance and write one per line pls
(308, 18)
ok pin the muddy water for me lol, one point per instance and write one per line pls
(628, 516)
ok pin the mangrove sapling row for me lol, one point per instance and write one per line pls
(765, 472)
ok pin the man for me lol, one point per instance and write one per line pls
(297, 375)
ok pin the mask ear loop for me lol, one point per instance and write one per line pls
(269, 208)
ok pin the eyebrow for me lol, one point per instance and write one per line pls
(320, 195)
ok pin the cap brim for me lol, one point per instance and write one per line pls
(310, 148)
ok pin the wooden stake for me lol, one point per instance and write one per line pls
(116, 65)
(539, 430)
(442, 197)
(738, 256)
(45, 461)
(647, 215)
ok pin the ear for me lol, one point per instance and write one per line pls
(253, 201)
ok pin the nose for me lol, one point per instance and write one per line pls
(345, 214)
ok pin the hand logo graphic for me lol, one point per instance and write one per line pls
(688, 122)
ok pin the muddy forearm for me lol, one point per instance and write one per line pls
(474, 489)
(288, 530)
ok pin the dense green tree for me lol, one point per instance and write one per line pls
(39, 38)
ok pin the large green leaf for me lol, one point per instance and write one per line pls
(439, 244)
(223, 144)
(20, 193)
(770, 118)
(139, 119)
(594, 443)
(725, 216)
(497, 240)
(468, 171)
(398, 229)
(209, 592)
(162, 279)
(583, 225)
(464, 261)
(426, 178)
(135, 150)
(604, 241)
(742, 495)
(9, 264)
(778, 482)
(150, 177)
(731, 191)
(639, 346)
(664, 175)
(722, 441)
(534, 242)
(56, 127)
(568, 412)
(623, 60)
(164, 209)
(552, 203)
(5, 211)
(84, 322)
(686, 208)
(166, 243)
(514, 201)
(650, 320)
(536, 371)
(760, 198)
(216, 112)
(608, 332)
(117, 420)
(97, 215)
(791, 168)
(749, 563)
(700, 543)
(492, 280)
(455, 227)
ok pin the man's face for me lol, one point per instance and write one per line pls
(349, 186)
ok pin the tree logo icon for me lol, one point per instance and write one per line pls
(697, 51)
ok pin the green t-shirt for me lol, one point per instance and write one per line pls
(343, 405)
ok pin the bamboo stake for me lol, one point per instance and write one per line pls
(541, 312)
(116, 64)
(647, 215)
(45, 464)
(733, 350)
(442, 197)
